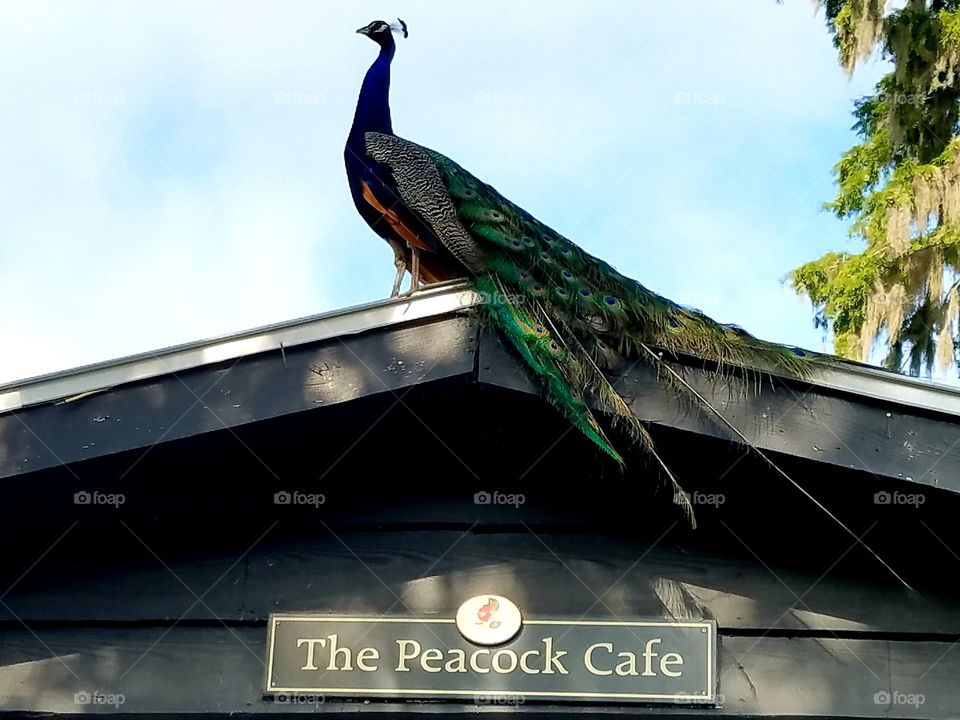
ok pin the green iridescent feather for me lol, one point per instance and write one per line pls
(572, 316)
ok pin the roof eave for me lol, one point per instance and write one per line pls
(81, 381)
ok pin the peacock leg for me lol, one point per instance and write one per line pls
(415, 283)
(415, 271)
(401, 264)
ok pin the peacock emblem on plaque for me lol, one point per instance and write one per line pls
(489, 620)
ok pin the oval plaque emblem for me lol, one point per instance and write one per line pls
(489, 620)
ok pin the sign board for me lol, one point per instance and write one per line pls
(609, 661)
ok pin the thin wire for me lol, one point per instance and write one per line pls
(776, 467)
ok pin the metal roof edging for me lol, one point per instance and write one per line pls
(81, 381)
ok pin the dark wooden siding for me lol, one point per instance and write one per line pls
(164, 599)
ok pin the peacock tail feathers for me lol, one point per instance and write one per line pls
(571, 316)
(613, 315)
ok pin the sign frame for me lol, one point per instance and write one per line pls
(710, 698)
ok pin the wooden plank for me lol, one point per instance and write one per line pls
(923, 680)
(880, 440)
(564, 575)
(885, 440)
(154, 584)
(218, 671)
(803, 677)
(790, 418)
(235, 393)
(432, 572)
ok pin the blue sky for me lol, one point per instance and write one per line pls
(173, 171)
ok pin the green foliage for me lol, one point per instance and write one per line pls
(899, 188)
(840, 285)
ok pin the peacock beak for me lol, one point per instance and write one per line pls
(364, 30)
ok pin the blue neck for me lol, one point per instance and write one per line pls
(373, 107)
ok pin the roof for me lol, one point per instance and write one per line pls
(850, 417)
(854, 378)
(77, 382)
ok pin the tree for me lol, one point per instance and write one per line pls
(900, 188)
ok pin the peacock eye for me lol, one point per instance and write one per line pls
(516, 243)
(567, 274)
(610, 300)
(585, 292)
(537, 286)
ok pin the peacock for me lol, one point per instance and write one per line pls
(570, 316)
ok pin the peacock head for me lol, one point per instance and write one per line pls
(382, 32)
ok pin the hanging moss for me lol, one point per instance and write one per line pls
(900, 189)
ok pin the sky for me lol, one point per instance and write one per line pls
(174, 171)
